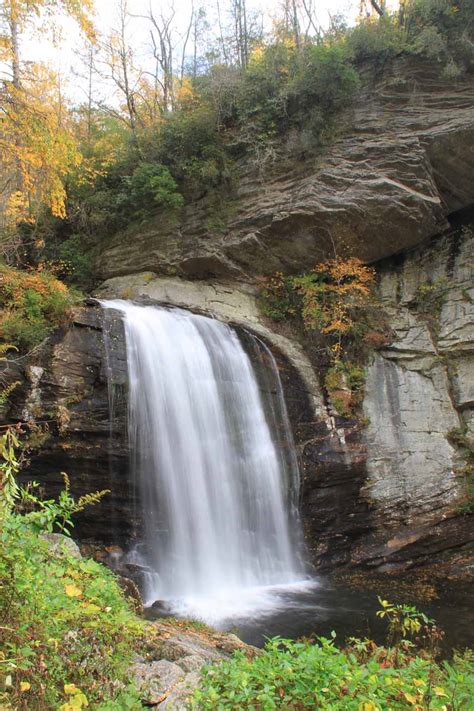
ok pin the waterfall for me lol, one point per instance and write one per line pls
(217, 483)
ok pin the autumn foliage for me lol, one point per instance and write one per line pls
(32, 303)
(327, 299)
(335, 303)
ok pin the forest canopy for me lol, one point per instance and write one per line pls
(224, 86)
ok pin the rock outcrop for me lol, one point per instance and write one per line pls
(385, 493)
(419, 391)
(168, 673)
(404, 162)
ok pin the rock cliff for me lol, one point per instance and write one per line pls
(401, 162)
(386, 492)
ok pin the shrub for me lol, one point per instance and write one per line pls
(325, 78)
(66, 632)
(76, 262)
(189, 144)
(150, 186)
(63, 621)
(377, 40)
(32, 304)
(329, 299)
(364, 677)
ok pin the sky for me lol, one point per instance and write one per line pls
(63, 54)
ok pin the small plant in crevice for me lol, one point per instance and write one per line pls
(460, 438)
(428, 301)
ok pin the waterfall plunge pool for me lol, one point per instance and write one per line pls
(213, 460)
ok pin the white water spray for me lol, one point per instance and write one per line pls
(217, 493)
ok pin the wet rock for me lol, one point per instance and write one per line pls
(179, 696)
(132, 593)
(191, 663)
(176, 654)
(183, 645)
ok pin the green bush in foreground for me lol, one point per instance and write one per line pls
(66, 631)
(65, 627)
(363, 677)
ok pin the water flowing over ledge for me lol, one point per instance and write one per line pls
(215, 465)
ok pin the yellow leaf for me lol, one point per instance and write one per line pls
(25, 686)
(439, 691)
(70, 689)
(72, 590)
(368, 706)
(410, 698)
(419, 682)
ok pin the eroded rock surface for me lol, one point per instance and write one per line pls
(418, 391)
(385, 492)
(168, 673)
(404, 162)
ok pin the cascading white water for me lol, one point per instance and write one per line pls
(216, 491)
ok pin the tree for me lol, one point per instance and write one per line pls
(119, 65)
(162, 39)
(37, 146)
(239, 14)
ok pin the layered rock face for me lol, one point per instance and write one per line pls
(419, 391)
(404, 162)
(64, 390)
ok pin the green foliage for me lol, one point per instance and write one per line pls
(336, 303)
(438, 30)
(459, 437)
(345, 382)
(66, 632)
(403, 620)
(325, 81)
(150, 186)
(32, 304)
(49, 514)
(304, 675)
(447, 23)
(189, 144)
(63, 621)
(332, 299)
(9, 468)
(77, 262)
(429, 298)
(376, 41)
(294, 96)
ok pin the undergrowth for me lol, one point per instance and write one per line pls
(66, 631)
(336, 306)
(460, 437)
(32, 304)
(319, 675)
